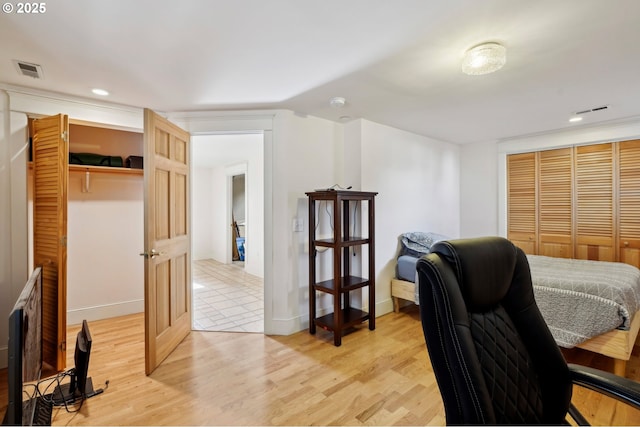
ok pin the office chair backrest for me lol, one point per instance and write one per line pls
(493, 355)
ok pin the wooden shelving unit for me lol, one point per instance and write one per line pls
(344, 316)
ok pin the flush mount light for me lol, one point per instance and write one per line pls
(575, 119)
(484, 59)
(100, 92)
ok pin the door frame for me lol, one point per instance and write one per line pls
(206, 123)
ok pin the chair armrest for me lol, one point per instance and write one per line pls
(617, 387)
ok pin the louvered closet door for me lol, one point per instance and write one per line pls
(594, 209)
(555, 174)
(521, 201)
(629, 202)
(50, 164)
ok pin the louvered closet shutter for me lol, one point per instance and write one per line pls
(50, 159)
(521, 201)
(594, 211)
(629, 202)
(555, 197)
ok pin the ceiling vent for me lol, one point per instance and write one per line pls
(28, 69)
(592, 110)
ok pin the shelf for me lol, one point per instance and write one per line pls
(342, 282)
(350, 317)
(106, 169)
(349, 241)
(349, 283)
(101, 169)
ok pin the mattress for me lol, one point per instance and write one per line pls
(406, 268)
(581, 299)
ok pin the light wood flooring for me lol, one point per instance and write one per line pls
(380, 377)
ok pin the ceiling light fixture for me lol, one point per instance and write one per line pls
(484, 59)
(100, 92)
(337, 102)
(575, 119)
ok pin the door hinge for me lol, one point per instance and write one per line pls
(63, 346)
(63, 241)
(65, 136)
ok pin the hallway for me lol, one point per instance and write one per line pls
(226, 298)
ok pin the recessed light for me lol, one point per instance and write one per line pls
(100, 92)
(575, 119)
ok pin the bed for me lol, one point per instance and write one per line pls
(587, 304)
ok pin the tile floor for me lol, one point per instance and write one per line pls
(226, 298)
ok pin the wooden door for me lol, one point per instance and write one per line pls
(594, 207)
(555, 226)
(629, 202)
(166, 237)
(521, 201)
(50, 177)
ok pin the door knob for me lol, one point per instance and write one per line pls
(152, 254)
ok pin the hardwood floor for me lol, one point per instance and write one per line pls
(380, 377)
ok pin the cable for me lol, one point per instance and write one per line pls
(48, 396)
(326, 208)
(355, 209)
(334, 186)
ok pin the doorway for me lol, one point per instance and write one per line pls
(228, 221)
(238, 218)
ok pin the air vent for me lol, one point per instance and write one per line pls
(592, 110)
(28, 69)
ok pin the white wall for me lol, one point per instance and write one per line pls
(211, 213)
(478, 190)
(14, 270)
(105, 273)
(417, 180)
(202, 210)
(303, 160)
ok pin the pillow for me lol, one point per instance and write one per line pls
(417, 243)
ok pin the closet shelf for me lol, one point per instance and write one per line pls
(106, 169)
(101, 169)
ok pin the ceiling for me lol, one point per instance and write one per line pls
(396, 62)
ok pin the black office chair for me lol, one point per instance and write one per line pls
(492, 353)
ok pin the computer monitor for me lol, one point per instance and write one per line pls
(25, 352)
(80, 387)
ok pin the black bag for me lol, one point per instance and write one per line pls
(134, 162)
(91, 159)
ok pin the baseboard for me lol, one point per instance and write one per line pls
(300, 323)
(75, 317)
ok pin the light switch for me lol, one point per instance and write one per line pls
(298, 224)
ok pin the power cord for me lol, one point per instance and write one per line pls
(48, 396)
